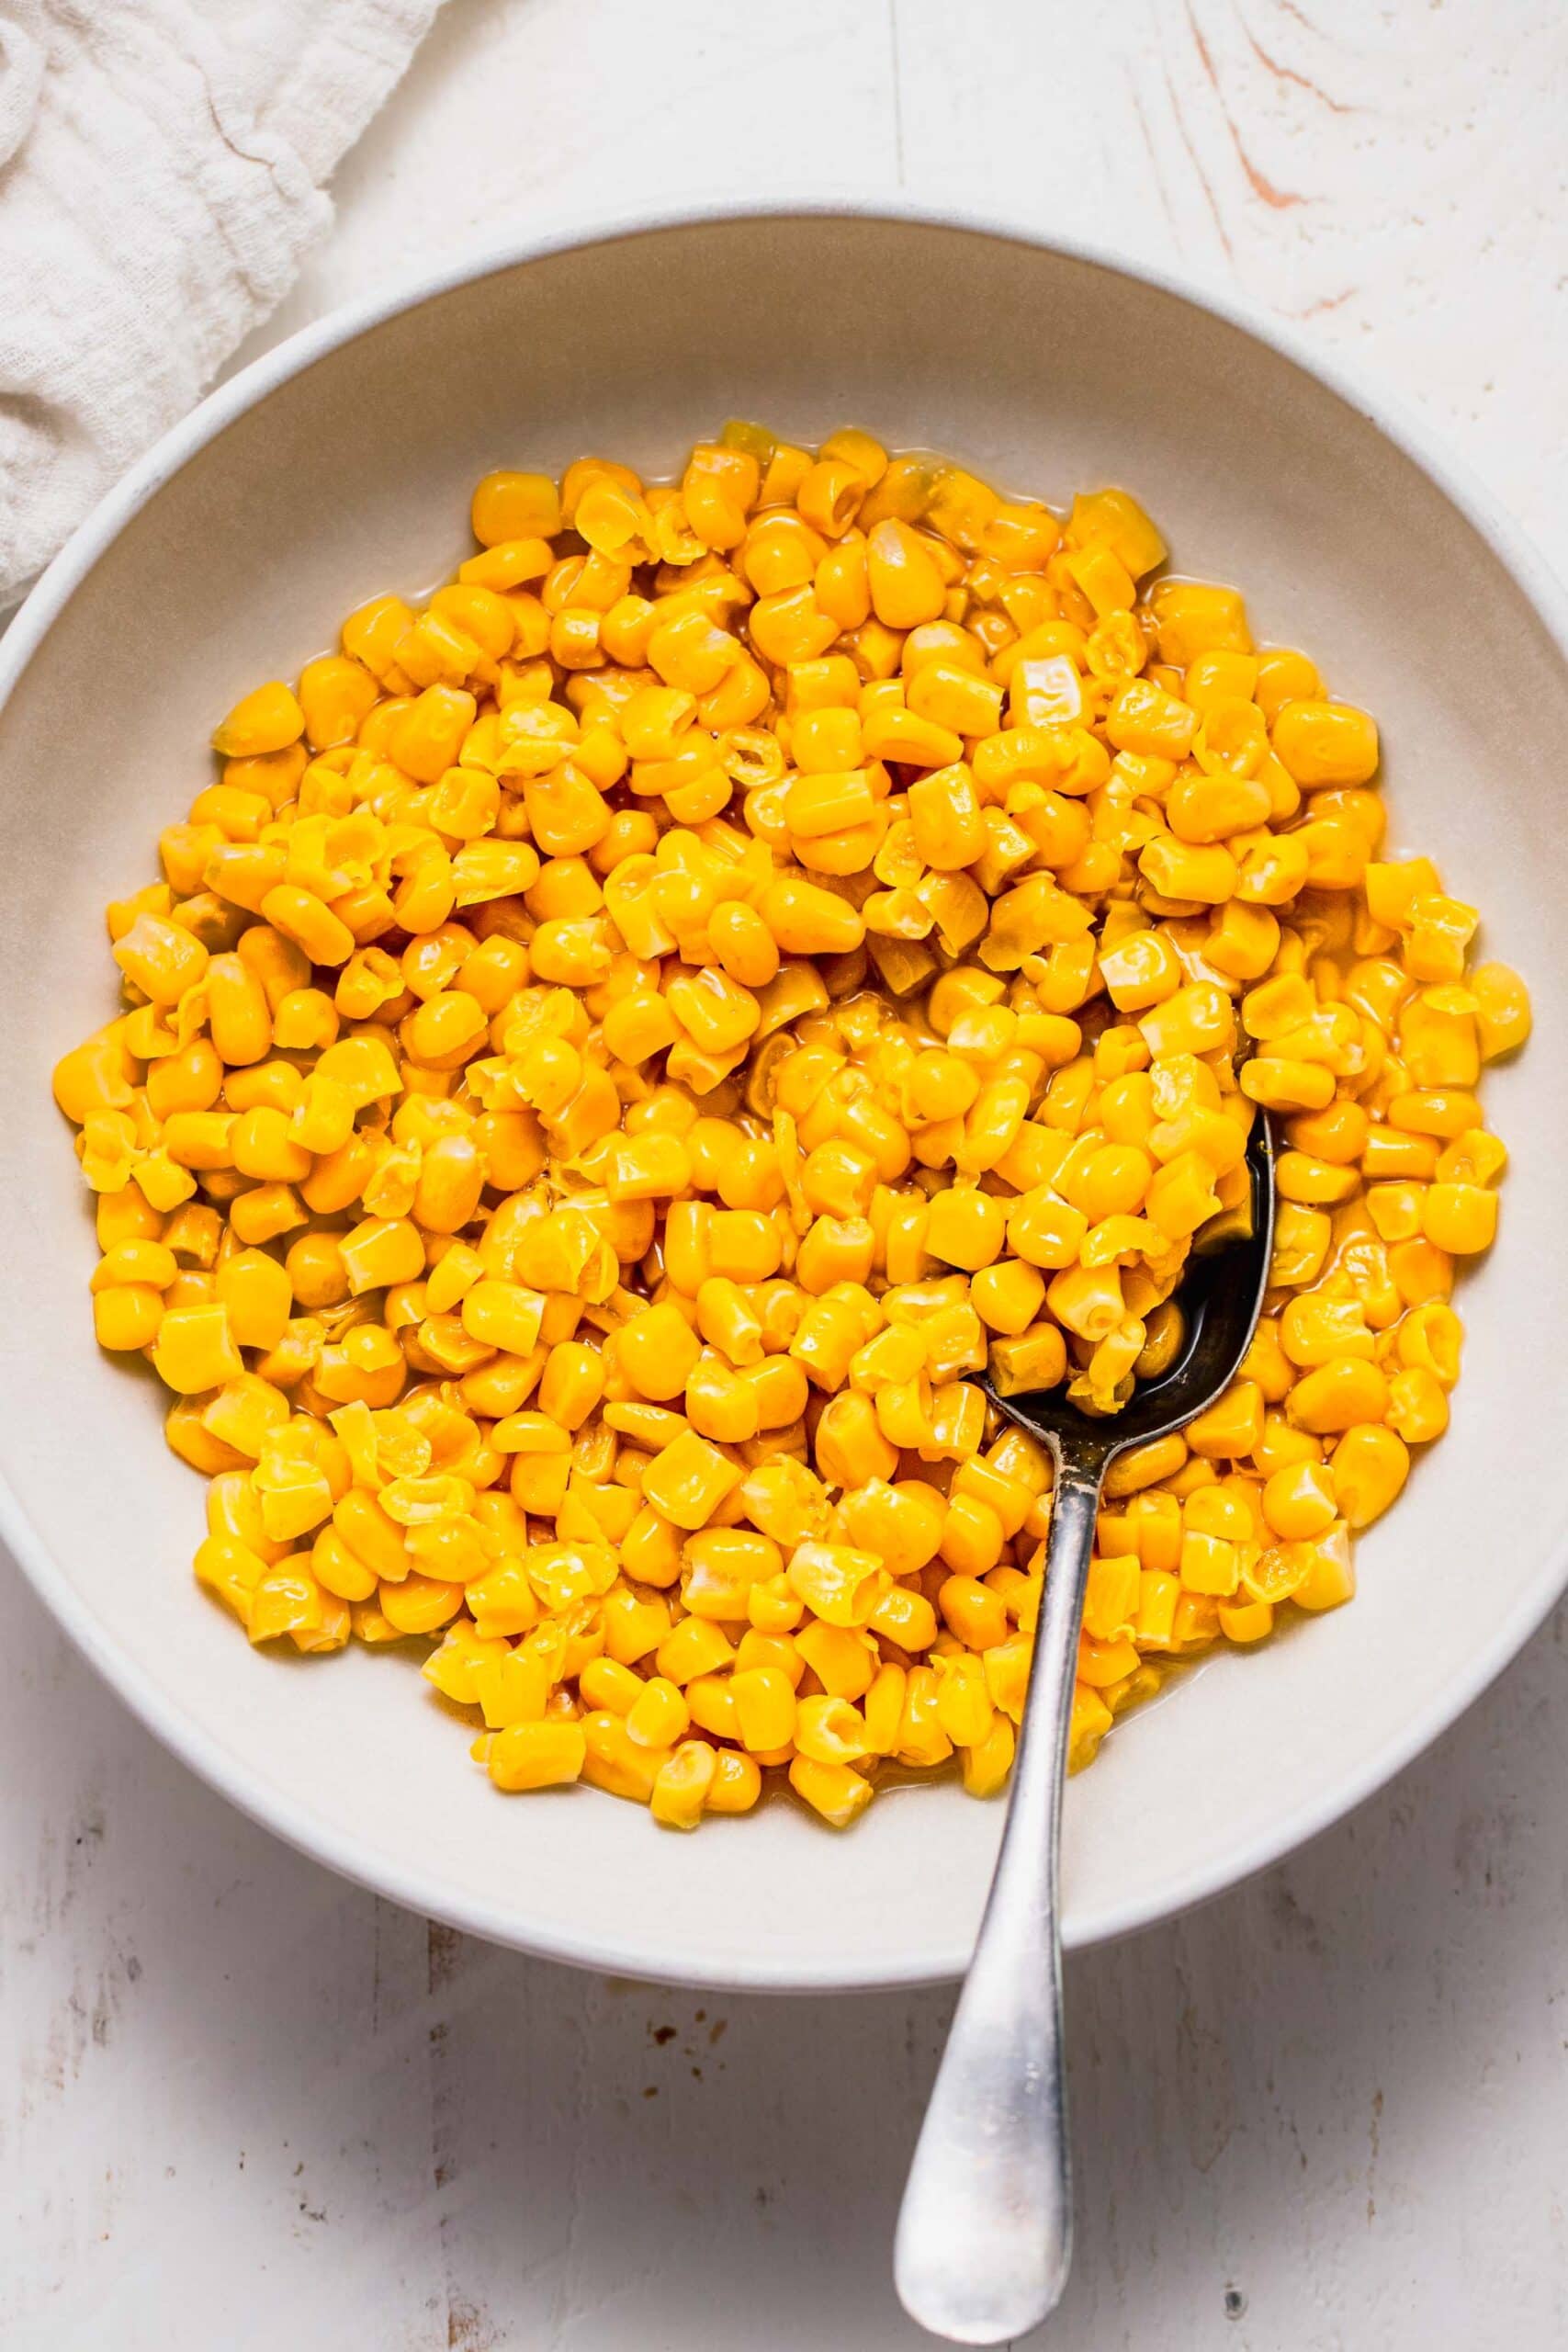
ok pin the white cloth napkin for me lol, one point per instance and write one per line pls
(161, 166)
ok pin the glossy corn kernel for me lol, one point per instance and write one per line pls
(268, 719)
(835, 1790)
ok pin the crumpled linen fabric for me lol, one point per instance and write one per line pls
(162, 176)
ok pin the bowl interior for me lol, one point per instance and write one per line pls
(1048, 373)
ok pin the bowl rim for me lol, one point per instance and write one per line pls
(567, 230)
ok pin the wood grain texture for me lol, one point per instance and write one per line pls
(242, 2105)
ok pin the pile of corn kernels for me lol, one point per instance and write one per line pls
(616, 1049)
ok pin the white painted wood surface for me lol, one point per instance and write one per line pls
(243, 2106)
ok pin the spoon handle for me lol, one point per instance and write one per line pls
(985, 2233)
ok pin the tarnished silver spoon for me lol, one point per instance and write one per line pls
(984, 2235)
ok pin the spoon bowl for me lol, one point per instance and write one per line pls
(985, 2233)
(1221, 1299)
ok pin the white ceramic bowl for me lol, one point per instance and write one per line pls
(341, 465)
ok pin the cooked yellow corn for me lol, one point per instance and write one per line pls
(615, 1051)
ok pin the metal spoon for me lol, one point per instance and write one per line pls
(984, 2236)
